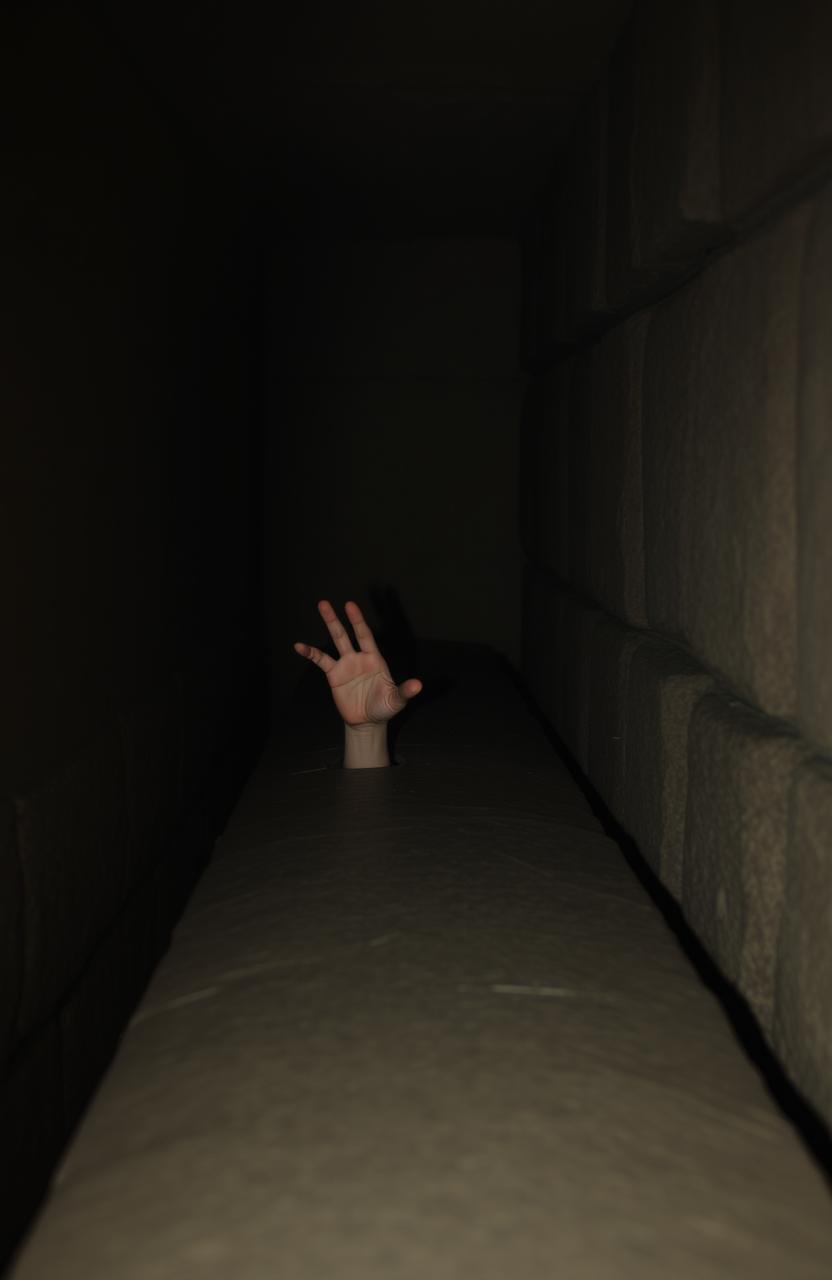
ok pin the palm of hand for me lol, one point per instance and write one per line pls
(363, 689)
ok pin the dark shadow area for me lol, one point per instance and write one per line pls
(439, 666)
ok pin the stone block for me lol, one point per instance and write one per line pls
(98, 1007)
(612, 651)
(152, 740)
(675, 153)
(74, 855)
(11, 930)
(719, 443)
(740, 771)
(579, 623)
(814, 483)
(586, 170)
(606, 547)
(776, 98)
(803, 1003)
(664, 686)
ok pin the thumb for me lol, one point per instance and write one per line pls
(409, 688)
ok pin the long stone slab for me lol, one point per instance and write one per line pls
(408, 1030)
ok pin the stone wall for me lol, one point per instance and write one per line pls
(129, 674)
(678, 631)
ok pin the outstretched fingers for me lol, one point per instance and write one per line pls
(363, 634)
(317, 656)
(342, 641)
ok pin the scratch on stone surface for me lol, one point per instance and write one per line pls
(320, 768)
(557, 993)
(383, 940)
(264, 966)
(192, 998)
(530, 866)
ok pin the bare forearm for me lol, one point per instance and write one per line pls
(362, 687)
(365, 746)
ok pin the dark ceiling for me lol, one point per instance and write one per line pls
(429, 117)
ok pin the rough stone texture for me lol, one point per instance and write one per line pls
(814, 483)
(72, 836)
(409, 1032)
(719, 440)
(11, 930)
(675, 152)
(740, 771)
(579, 623)
(803, 1007)
(586, 179)
(613, 650)
(606, 532)
(664, 686)
(776, 97)
(553, 477)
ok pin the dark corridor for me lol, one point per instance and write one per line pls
(512, 323)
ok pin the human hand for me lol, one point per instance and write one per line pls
(362, 687)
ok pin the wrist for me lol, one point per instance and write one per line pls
(365, 746)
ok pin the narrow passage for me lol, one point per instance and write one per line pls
(424, 1022)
